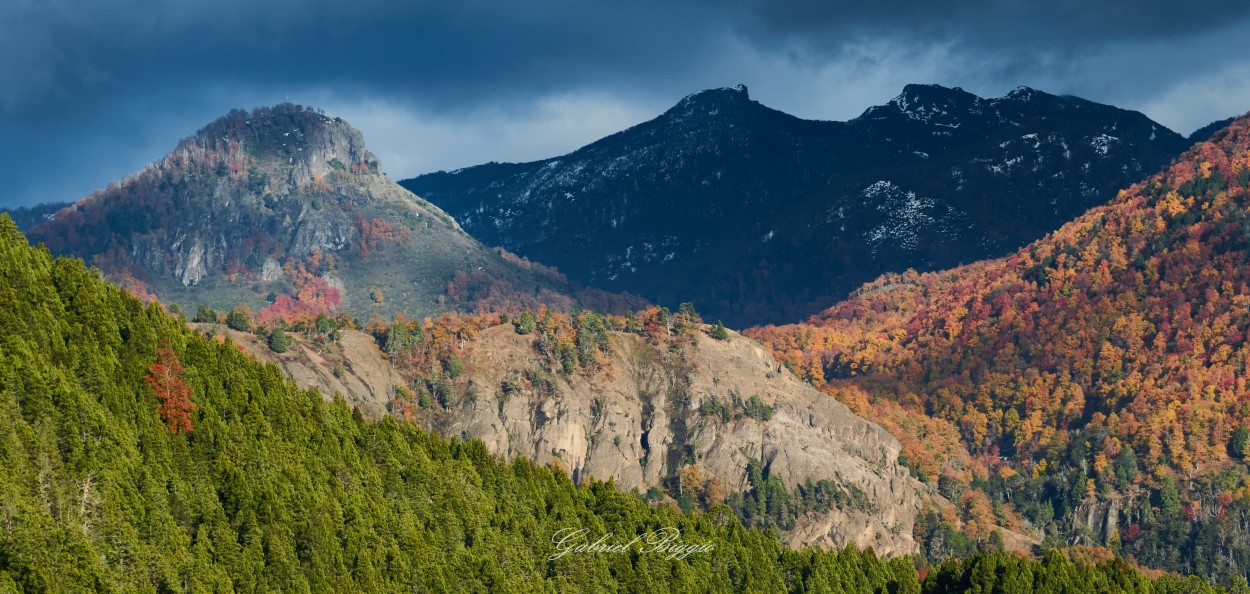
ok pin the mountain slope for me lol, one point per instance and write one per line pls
(644, 416)
(286, 200)
(1204, 133)
(1097, 375)
(273, 489)
(759, 216)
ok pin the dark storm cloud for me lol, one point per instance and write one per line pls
(1017, 41)
(445, 51)
(54, 54)
(1009, 25)
(85, 83)
(90, 91)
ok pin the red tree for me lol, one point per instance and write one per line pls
(165, 377)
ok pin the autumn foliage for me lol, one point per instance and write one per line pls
(310, 297)
(171, 390)
(1131, 319)
(1109, 356)
(377, 233)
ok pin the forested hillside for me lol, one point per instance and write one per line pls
(1093, 381)
(137, 456)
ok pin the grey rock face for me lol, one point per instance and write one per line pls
(629, 422)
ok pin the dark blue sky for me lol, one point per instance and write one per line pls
(92, 91)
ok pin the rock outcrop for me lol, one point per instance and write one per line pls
(645, 415)
(640, 420)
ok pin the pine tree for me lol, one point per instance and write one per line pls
(525, 324)
(205, 314)
(239, 318)
(719, 332)
(1239, 445)
(278, 341)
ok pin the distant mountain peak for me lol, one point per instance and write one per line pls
(279, 201)
(930, 92)
(714, 107)
(241, 120)
(1204, 133)
(934, 103)
(1023, 93)
(736, 93)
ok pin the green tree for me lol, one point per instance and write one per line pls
(205, 314)
(398, 338)
(525, 323)
(1239, 444)
(239, 318)
(757, 409)
(279, 341)
(687, 309)
(591, 337)
(719, 332)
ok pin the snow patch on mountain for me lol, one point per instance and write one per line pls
(908, 216)
(1102, 143)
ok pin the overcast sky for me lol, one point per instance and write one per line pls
(92, 91)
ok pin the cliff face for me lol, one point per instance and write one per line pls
(642, 419)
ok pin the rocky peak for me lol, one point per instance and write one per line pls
(285, 201)
(1023, 103)
(935, 104)
(302, 144)
(712, 103)
(737, 92)
(1023, 93)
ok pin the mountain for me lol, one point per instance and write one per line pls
(138, 456)
(1095, 377)
(286, 201)
(758, 216)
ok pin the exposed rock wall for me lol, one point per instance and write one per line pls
(638, 421)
